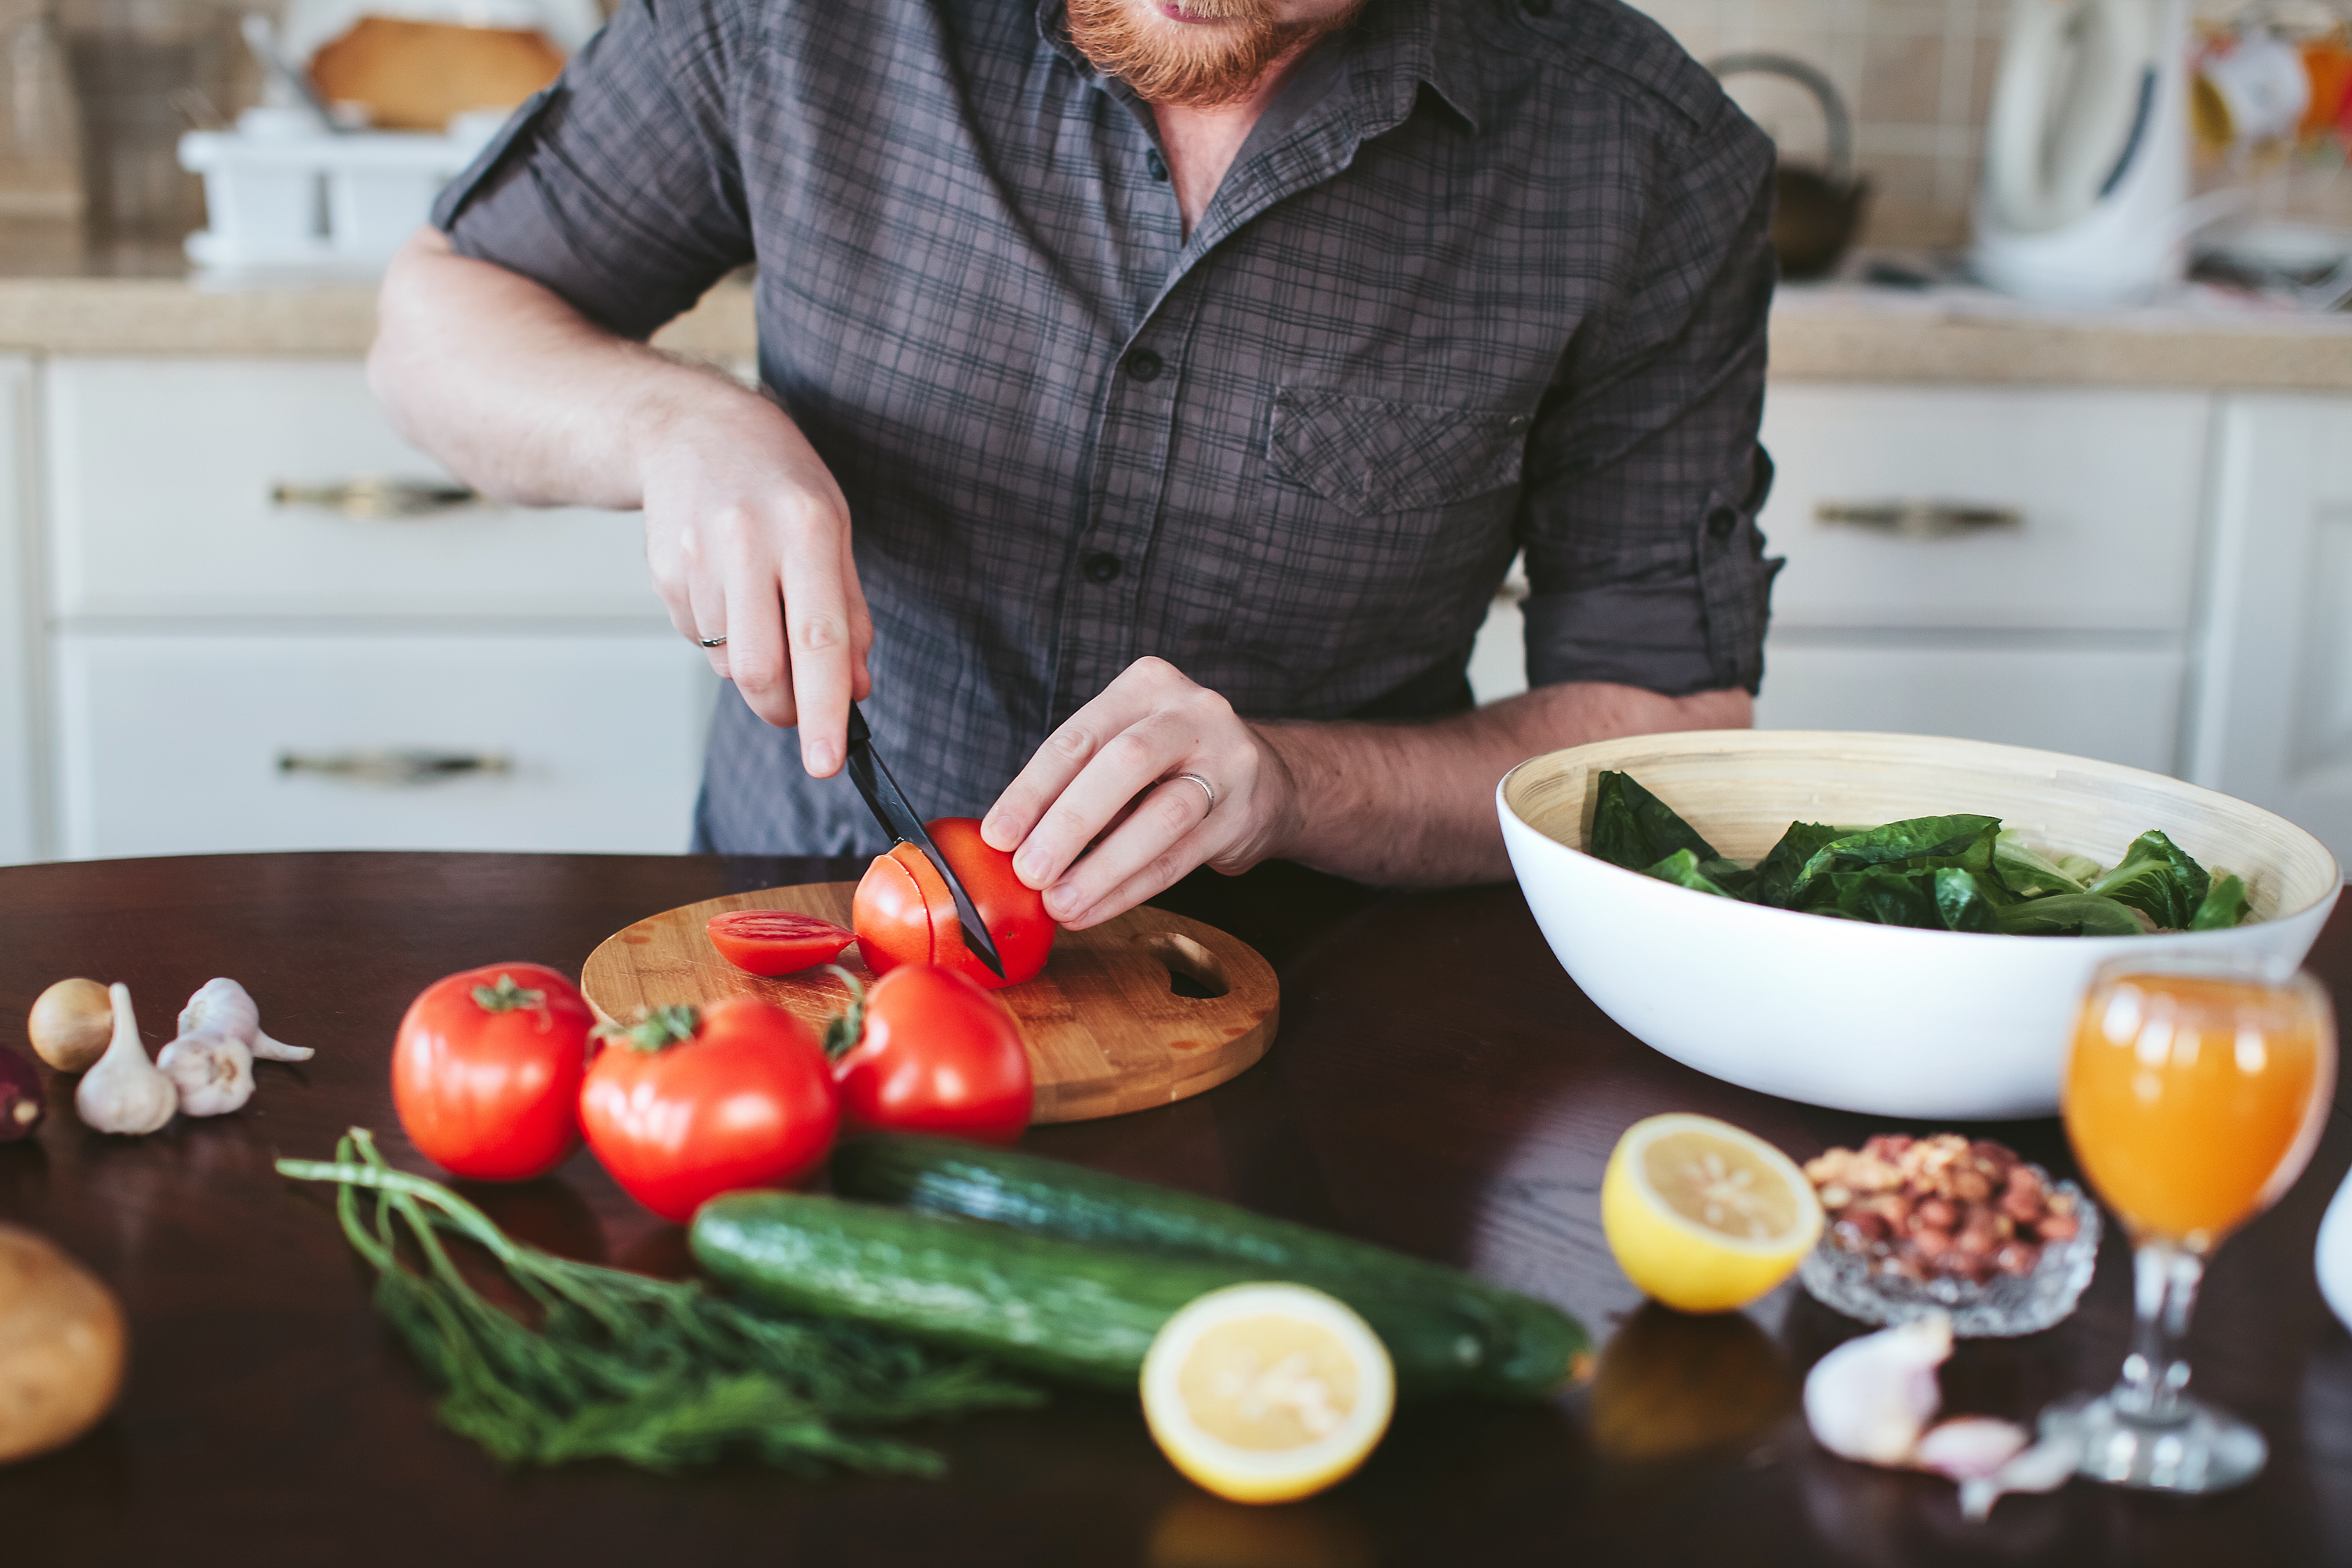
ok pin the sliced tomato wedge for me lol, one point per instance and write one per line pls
(776, 942)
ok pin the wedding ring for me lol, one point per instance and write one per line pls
(719, 641)
(1206, 788)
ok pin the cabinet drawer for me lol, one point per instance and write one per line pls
(162, 475)
(2118, 706)
(2105, 486)
(180, 744)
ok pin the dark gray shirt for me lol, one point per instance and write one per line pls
(1487, 276)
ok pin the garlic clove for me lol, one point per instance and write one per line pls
(1870, 1398)
(2044, 1467)
(1971, 1447)
(124, 1092)
(214, 1074)
(221, 1006)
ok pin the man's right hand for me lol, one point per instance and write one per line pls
(747, 534)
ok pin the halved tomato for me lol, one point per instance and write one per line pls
(776, 942)
(905, 915)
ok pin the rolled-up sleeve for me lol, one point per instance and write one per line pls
(1643, 561)
(618, 187)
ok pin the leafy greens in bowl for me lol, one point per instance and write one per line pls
(1887, 1019)
(1962, 873)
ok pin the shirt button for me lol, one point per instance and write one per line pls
(1155, 166)
(1144, 365)
(1102, 568)
(1721, 521)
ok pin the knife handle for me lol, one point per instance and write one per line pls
(858, 734)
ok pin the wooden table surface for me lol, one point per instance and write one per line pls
(1438, 1085)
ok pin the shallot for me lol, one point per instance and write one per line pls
(214, 1074)
(125, 1092)
(221, 1006)
(71, 1023)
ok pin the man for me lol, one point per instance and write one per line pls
(1155, 392)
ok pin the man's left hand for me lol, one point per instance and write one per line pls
(1159, 775)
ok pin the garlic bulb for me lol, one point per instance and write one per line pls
(125, 1092)
(221, 1006)
(1870, 1398)
(2044, 1467)
(214, 1075)
(1971, 1447)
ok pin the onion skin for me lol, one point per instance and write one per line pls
(21, 1100)
(70, 1024)
(61, 1347)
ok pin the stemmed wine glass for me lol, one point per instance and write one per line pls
(2195, 1091)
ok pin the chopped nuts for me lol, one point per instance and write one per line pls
(1940, 1206)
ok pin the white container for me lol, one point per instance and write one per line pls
(280, 191)
(1883, 1020)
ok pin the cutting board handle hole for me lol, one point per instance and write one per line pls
(1192, 970)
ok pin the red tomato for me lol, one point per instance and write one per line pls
(776, 942)
(937, 1054)
(486, 1070)
(690, 1105)
(905, 915)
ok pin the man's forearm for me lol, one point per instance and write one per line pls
(1414, 805)
(518, 392)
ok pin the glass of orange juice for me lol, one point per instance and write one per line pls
(2195, 1089)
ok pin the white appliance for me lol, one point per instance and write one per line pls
(2086, 197)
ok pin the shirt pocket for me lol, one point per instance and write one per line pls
(1373, 456)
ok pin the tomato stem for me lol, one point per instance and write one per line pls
(506, 996)
(660, 1029)
(844, 1028)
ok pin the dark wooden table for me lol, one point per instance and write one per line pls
(1437, 1086)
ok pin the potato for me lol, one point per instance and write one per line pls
(61, 1347)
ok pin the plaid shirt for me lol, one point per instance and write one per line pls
(1485, 277)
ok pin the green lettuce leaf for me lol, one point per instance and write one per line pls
(1937, 897)
(1685, 869)
(1778, 873)
(2082, 868)
(1914, 844)
(1636, 829)
(2157, 877)
(2027, 872)
(2224, 905)
(2068, 914)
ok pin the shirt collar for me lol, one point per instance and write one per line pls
(1396, 44)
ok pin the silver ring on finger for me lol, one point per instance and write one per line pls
(719, 641)
(1206, 788)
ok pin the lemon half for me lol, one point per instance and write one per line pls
(1704, 1216)
(1267, 1393)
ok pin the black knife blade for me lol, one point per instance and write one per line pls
(889, 806)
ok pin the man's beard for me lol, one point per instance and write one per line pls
(1165, 66)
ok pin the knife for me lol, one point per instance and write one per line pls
(889, 807)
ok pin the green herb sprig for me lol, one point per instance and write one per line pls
(655, 1372)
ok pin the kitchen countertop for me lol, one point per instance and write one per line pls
(268, 1412)
(58, 296)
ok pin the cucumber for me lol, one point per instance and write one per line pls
(1527, 1349)
(1062, 1309)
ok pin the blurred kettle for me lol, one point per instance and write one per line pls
(1815, 212)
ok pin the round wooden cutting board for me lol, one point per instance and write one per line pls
(1108, 1028)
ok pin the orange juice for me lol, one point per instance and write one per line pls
(2192, 1102)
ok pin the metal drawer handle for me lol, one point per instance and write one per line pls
(372, 496)
(394, 768)
(1919, 519)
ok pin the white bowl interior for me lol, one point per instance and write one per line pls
(1741, 789)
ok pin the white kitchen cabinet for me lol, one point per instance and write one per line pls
(181, 744)
(20, 749)
(2273, 710)
(237, 661)
(2008, 564)
(178, 487)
